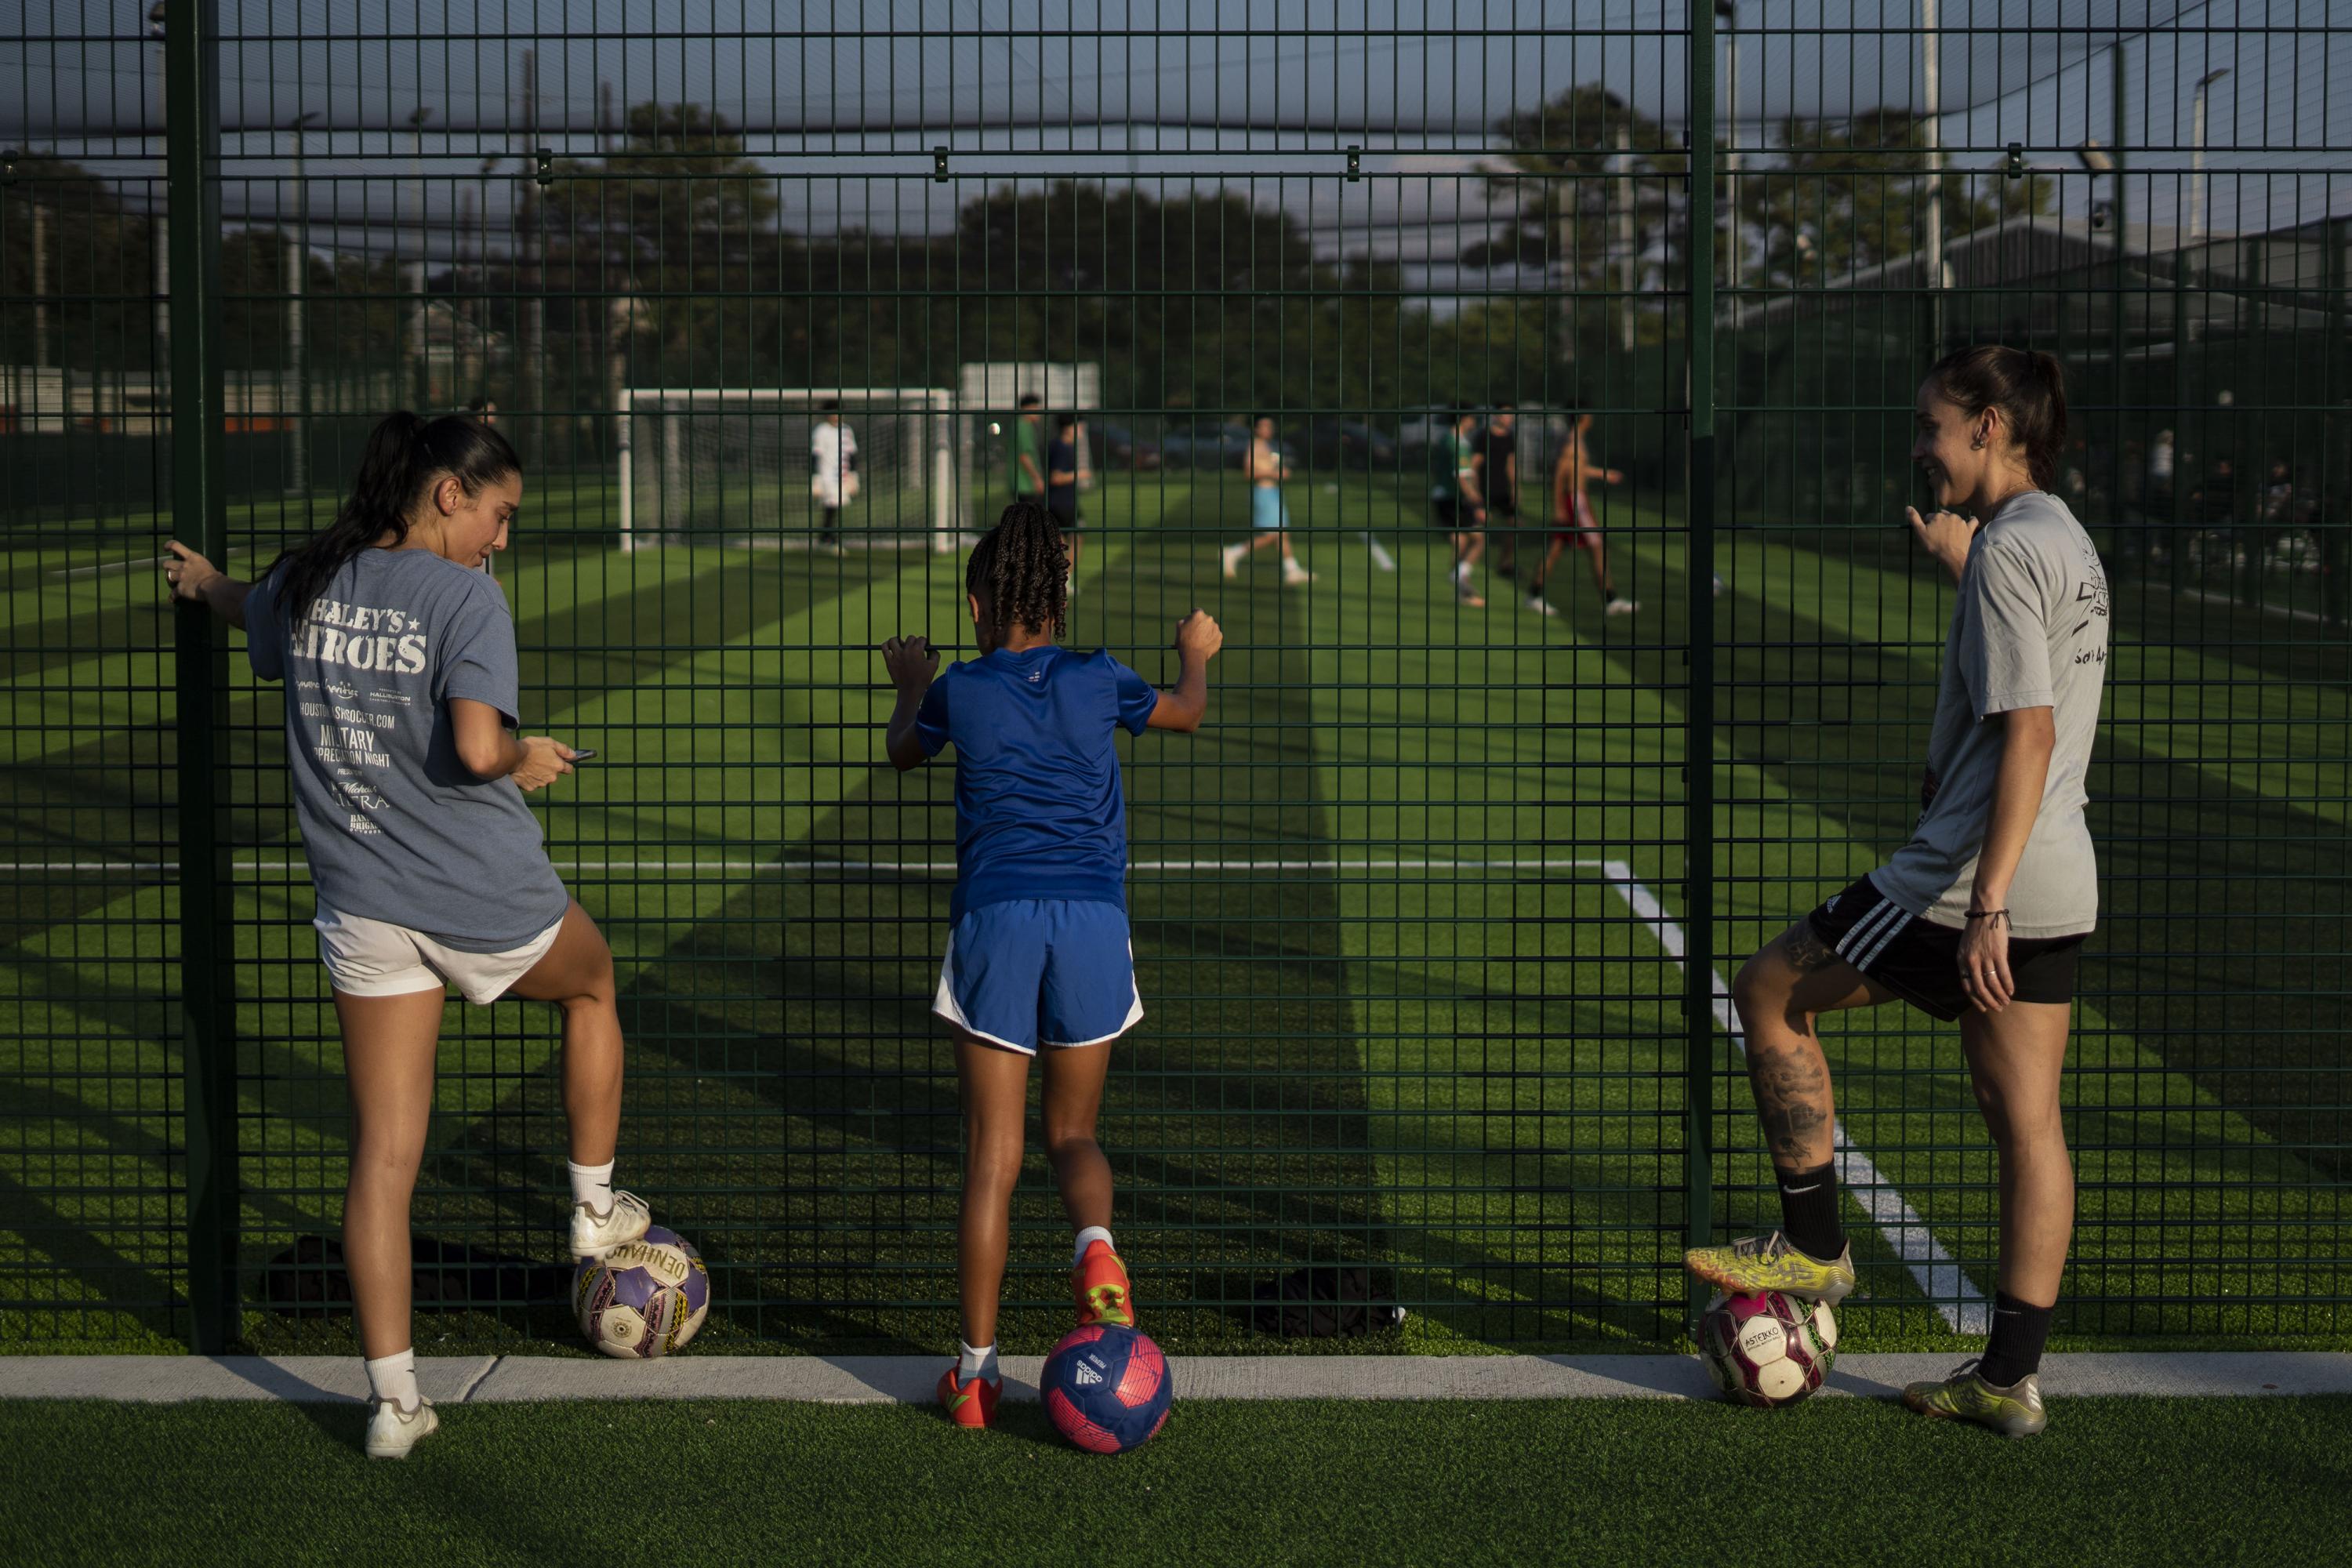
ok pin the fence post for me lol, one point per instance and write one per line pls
(1698, 707)
(200, 517)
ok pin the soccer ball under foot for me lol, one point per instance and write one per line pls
(645, 1297)
(1767, 1349)
(1106, 1388)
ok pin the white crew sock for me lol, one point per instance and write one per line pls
(1086, 1238)
(980, 1363)
(393, 1377)
(592, 1186)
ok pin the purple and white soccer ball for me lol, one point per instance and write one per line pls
(645, 1298)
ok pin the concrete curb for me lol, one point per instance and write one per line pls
(908, 1380)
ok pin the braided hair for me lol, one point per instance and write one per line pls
(1020, 570)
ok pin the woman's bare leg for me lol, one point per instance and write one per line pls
(2016, 1059)
(996, 1083)
(389, 1044)
(1074, 1086)
(576, 975)
(1779, 993)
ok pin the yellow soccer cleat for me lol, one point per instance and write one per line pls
(2013, 1412)
(1749, 1265)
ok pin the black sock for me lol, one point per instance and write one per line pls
(1808, 1211)
(2019, 1332)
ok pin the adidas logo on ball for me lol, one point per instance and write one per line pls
(1087, 1374)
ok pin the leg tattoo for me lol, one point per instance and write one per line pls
(1808, 954)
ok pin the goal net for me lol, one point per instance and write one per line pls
(750, 468)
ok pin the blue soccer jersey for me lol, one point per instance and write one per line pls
(1039, 811)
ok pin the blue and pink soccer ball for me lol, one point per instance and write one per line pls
(1106, 1388)
(645, 1298)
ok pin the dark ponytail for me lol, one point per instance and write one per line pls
(1020, 570)
(404, 456)
(2028, 387)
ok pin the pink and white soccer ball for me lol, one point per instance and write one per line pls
(1766, 1347)
(645, 1297)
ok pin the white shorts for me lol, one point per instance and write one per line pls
(376, 958)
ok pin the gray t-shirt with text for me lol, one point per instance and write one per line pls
(394, 827)
(2029, 631)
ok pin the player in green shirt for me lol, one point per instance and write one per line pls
(1455, 498)
(1029, 450)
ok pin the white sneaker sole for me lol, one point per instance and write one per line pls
(402, 1438)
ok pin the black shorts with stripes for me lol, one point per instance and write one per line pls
(1920, 962)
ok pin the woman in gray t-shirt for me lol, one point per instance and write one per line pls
(1979, 916)
(398, 654)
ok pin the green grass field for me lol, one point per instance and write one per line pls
(1368, 1041)
(2114, 1480)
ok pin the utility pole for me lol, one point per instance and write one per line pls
(532, 318)
(421, 371)
(1729, 12)
(159, 220)
(1627, 267)
(40, 283)
(1931, 134)
(2197, 159)
(297, 352)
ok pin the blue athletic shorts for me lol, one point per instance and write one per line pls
(1267, 514)
(1059, 971)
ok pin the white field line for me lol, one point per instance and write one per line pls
(886, 867)
(2282, 612)
(1963, 1306)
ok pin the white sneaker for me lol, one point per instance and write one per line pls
(595, 1235)
(1232, 554)
(1718, 584)
(391, 1431)
(1297, 576)
(1621, 607)
(1540, 605)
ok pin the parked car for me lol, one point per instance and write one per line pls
(1418, 430)
(1209, 444)
(1344, 443)
(1117, 446)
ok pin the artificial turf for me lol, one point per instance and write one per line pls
(2112, 1481)
(1469, 1077)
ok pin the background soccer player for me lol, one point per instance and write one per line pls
(1037, 951)
(1459, 505)
(1269, 514)
(398, 653)
(1495, 454)
(1028, 473)
(1980, 915)
(1574, 522)
(833, 471)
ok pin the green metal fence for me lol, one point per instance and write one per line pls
(1432, 920)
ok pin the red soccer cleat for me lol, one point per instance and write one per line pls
(1100, 1283)
(970, 1403)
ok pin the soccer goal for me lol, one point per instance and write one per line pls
(738, 466)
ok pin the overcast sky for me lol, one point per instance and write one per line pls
(844, 100)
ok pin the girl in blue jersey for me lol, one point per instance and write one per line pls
(1038, 948)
